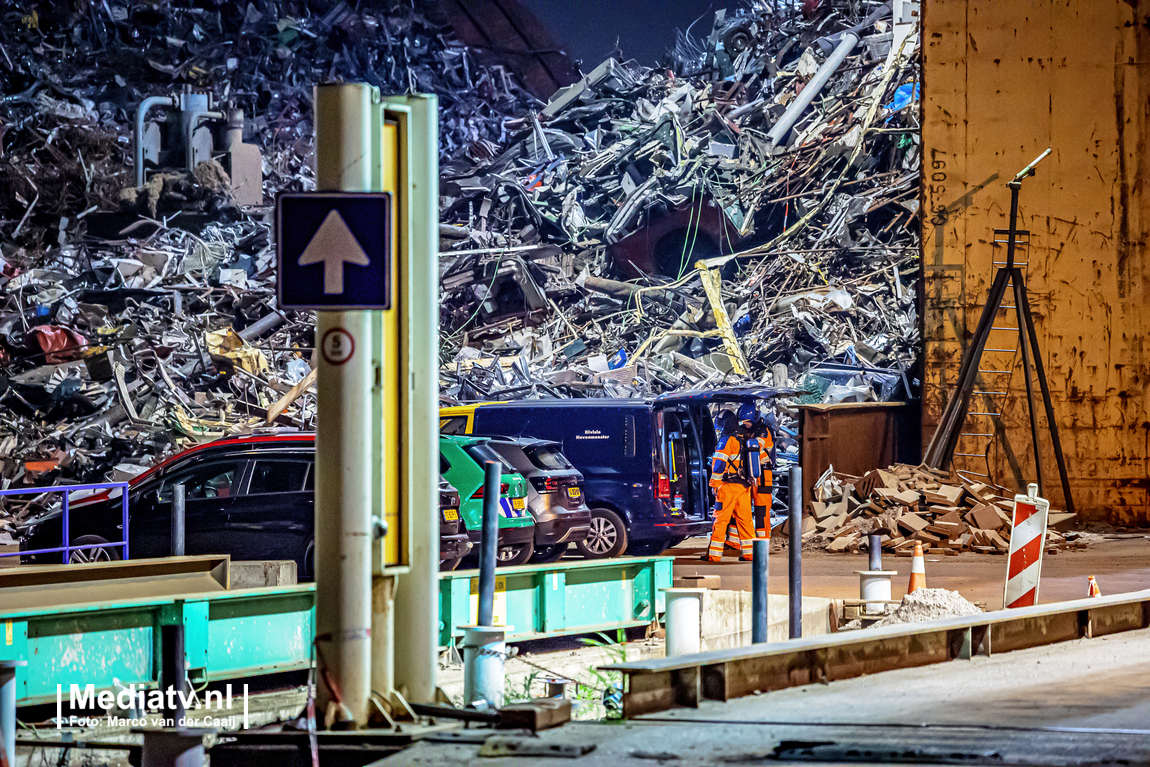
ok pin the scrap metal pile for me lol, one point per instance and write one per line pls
(133, 323)
(908, 504)
(748, 214)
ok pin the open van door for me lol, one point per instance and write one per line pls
(688, 438)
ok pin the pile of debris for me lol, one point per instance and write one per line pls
(134, 323)
(749, 214)
(905, 504)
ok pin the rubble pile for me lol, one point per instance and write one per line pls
(905, 504)
(136, 322)
(929, 605)
(651, 229)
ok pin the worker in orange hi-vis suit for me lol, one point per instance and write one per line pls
(761, 492)
(734, 471)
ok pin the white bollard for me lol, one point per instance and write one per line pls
(684, 620)
(874, 587)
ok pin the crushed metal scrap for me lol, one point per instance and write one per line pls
(140, 317)
(748, 214)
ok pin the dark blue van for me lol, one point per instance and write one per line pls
(645, 462)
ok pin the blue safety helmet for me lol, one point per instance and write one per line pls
(748, 412)
(725, 422)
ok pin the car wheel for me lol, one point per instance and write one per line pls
(545, 555)
(84, 556)
(607, 537)
(675, 542)
(648, 548)
(448, 565)
(515, 555)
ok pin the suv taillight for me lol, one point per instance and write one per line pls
(545, 484)
(663, 487)
(503, 488)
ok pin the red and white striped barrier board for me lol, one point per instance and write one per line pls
(1026, 542)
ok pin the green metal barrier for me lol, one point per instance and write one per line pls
(227, 635)
(238, 634)
(563, 598)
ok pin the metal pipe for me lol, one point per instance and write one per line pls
(141, 114)
(846, 43)
(795, 552)
(489, 542)
(484, 649)
(759, 609)
(779, 131)
(8, 708)
(875, 553)
(343, 495)
(178, 519)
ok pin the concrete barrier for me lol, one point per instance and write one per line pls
(726, 619)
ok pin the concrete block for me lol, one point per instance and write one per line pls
(261, 574)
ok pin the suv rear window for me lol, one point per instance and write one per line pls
(548, 457)
(482, 454)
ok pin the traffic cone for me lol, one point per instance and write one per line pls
(1092, 588)
(917, 570)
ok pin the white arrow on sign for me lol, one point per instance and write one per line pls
(333, 246)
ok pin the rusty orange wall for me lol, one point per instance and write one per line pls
(1004, 79)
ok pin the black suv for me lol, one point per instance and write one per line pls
(250, 497)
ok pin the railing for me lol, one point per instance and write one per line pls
(67, 548)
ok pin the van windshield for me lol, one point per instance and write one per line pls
(482, 454)
(548, 457)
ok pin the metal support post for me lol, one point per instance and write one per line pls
(8, 708)
(795, 552)
(484, 648)
(343, 500)
(759, 609)
(173, 672)
(178, 519)
(417, 596)
(874, 552)
(489, 543)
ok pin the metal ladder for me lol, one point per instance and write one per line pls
(974, 446)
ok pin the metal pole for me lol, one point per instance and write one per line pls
(8, 708)
(178, 519)
(489, 543)
(795, 589)
(875, 552)
(67, 533)
(759, 609)
(343, 499)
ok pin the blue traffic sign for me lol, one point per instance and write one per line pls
(333, 250)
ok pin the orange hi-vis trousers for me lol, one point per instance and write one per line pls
(761, 506)
(733, 502)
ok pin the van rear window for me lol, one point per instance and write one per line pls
(548, 457)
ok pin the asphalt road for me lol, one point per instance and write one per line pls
(1120, 563)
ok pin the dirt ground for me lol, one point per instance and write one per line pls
(1121, 563)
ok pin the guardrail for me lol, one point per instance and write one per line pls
(67, 548)
(687, 680)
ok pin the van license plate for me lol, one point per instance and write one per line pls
(574, 493)
(518, 504)
(451, 515)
